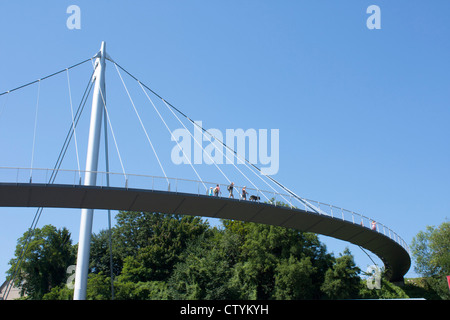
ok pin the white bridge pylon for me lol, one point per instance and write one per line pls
(87, 215)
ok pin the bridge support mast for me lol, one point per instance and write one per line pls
(90, 178)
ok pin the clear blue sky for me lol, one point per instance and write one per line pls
(362, 114)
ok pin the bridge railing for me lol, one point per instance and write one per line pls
(147, 182)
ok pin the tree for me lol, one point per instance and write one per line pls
(44, 263)
(293, 279)
(99, 260)
(261, 270)
(150, 244)
(431, 250)
(204, 271)
(342, 280)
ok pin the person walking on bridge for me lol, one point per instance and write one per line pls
(230, 190)
(216, 191)
(244, 193)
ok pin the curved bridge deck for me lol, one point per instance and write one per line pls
(395, 257)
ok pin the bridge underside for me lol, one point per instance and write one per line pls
(395, 257)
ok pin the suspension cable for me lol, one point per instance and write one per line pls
(306, 203)
(143, 127)
(224, 154)
(4, 104)
(162, 119)
(35, 126)
(70, 132)
(73, 124)
(46, 77)
(115, 143)
(368, 256)
(229, 181)
(105, 127)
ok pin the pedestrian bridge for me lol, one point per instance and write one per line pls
(187, 197)
(91, 189)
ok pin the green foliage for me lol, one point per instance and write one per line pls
(293, 279)
(203, 272)
(262, 269)
(160, 256)
(100, 254)
(342, 279)
(151, 290)
(144, 234)
(420, 288)
(99, 287)
(388, 290)
(60, 292)
(151, 244)
(43, 265)
(431, 250)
